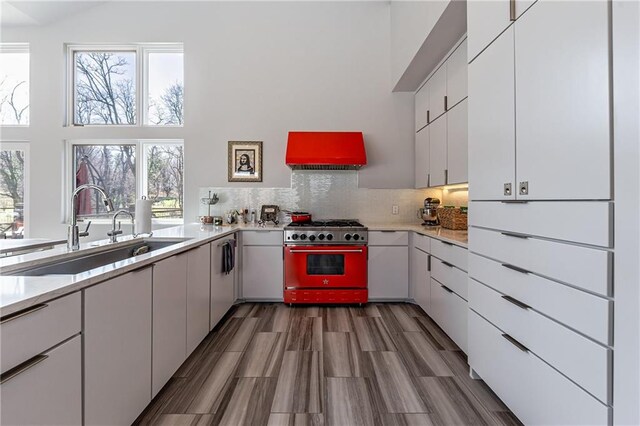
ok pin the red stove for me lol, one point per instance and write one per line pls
(325, 262)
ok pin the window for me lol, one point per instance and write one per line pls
(126, 85)
(14, 84)
(13, 189)
(127, 170)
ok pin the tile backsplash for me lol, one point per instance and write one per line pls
(325, 195)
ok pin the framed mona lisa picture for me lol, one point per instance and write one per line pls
(245, 161)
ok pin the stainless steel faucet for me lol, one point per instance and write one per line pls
(73, 234)
(115, 232)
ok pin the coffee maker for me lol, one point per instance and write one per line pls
(429, 213)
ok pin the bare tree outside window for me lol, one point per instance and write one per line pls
(165, 100)
(165, 180)
(12, 169)
(14, 88)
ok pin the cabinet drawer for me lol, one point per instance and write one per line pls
(47, 393)
(450, 312)
(34, 330)
(449, 276)
(581, 311)
(535, 392)
(422, 242)
(262, 238)
(388, 238)
(582, 267)
(451, 253)
(558, 220)
(583, 361)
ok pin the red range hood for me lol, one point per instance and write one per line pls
(326, 151)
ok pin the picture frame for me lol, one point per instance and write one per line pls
(245, 161)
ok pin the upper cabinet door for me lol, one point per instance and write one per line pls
(437, 91)
(457, 75)
(438, 152)
(562, 101)
(422, 107)
(486, 20)
(457, 147)
(492, 122)
(422, 159)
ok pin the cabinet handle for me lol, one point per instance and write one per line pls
(387, 231)
(428, 116)
(509, 234)
(516, 302)
(445, 102)
(446, 176)
(23, 313)
(446, 264)
(514, 201)
(446, 242)
(447, 289)
(5, 377)
(512, 10)
(515, 343)
(515, 268)
(429, 263)
(428, 179)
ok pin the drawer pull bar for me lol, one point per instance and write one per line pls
(516, 302)
(23, 313)
(509, 234)
(446, 264)
(514, 201)
(446, 288)
(388, 231)
(515, 268)
(429, 263)
(446, 242)
(5, 377)
(326, 251)
(515, 343)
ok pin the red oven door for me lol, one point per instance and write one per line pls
(325, 267)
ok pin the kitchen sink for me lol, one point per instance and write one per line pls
(95, 259)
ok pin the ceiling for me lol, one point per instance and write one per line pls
(21, 13)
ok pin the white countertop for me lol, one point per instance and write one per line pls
(20, 292)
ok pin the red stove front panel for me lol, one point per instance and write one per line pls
(325, 267)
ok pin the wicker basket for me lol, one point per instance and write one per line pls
(452, 218)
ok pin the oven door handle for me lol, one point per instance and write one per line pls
(326, 251)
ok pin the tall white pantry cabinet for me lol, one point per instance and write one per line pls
(540, 148)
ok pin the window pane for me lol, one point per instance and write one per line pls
(165, 179)
(14, 88)
(12, 194)
(105, 88)
(113, 167)
(165, 89)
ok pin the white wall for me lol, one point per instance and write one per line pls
(253, 71)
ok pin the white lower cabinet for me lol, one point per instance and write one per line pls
(222, 284)
(388, 272)
(117, 349)
(169, 318)
(262, 272)
(535, 392)
(420, 278)
(449, 310)
(49, 392)
(198, 295)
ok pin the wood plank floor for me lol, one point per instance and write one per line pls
(382, 364)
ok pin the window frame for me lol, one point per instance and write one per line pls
(141, 175)
(19, 48)
(13, 145)
(141, 51)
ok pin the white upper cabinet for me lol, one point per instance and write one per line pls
(492, 121)
(437, 85)
(486, 20)
(422, 159)
(438, 152)
(562, 101)
(422, 107)
(457, 143)
(457, 75)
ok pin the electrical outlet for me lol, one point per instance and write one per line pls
(395, 210)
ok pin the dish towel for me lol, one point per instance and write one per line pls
(228, 256)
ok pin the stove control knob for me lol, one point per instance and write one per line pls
(321, 237)
(356, 237)
(312, 237)
(294, 237)
(329, 237)
(347, 237)
(303, 237)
